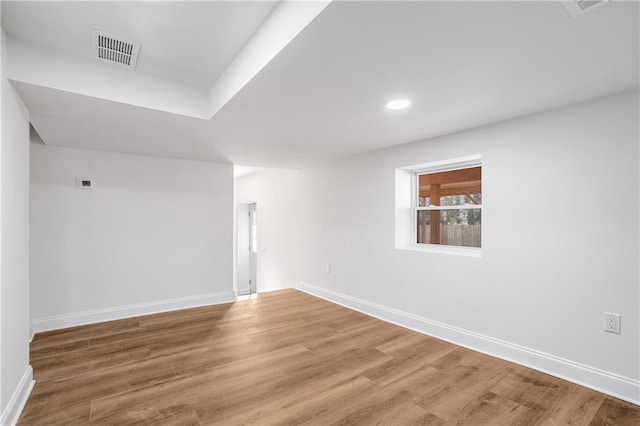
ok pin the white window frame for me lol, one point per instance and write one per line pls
(427, 168)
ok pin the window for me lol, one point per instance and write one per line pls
(448, 207)
(439, 207)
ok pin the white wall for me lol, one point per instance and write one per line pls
(15, 372)
(560, 241)
(153, 229)
(277, 208)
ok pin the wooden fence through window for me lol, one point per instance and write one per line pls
(453, 235)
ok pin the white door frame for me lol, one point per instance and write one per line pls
(253, 248)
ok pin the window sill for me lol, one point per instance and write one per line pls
(439, 249)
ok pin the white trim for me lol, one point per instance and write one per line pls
(444, 249)
(271, 290)
(460, 207)
(12, 412)
(128, 311)
(624, 388)
(445, 165)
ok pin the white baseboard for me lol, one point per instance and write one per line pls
(128, 311)
(271, 290)
(11, 414)
(602, 381)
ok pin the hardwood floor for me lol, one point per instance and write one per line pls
(289, 358)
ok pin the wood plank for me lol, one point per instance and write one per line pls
(491, 409)
(461, 188)
(574, 406)
(616, 412)
(453, 176)
(289, 358)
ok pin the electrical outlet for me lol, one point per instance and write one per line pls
(612, 322)
(327, 267)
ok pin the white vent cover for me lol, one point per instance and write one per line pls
(118, 50)
(580, 7)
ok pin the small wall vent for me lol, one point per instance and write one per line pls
(580, 7)
(110, 48)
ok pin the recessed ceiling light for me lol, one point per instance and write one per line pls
(397, 104)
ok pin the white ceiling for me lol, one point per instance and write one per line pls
(189, 42)
(463, 64)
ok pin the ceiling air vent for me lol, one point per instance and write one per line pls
(107, 47)
(580, 7)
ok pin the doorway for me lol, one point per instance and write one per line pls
(253, 248)
(247, 250)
